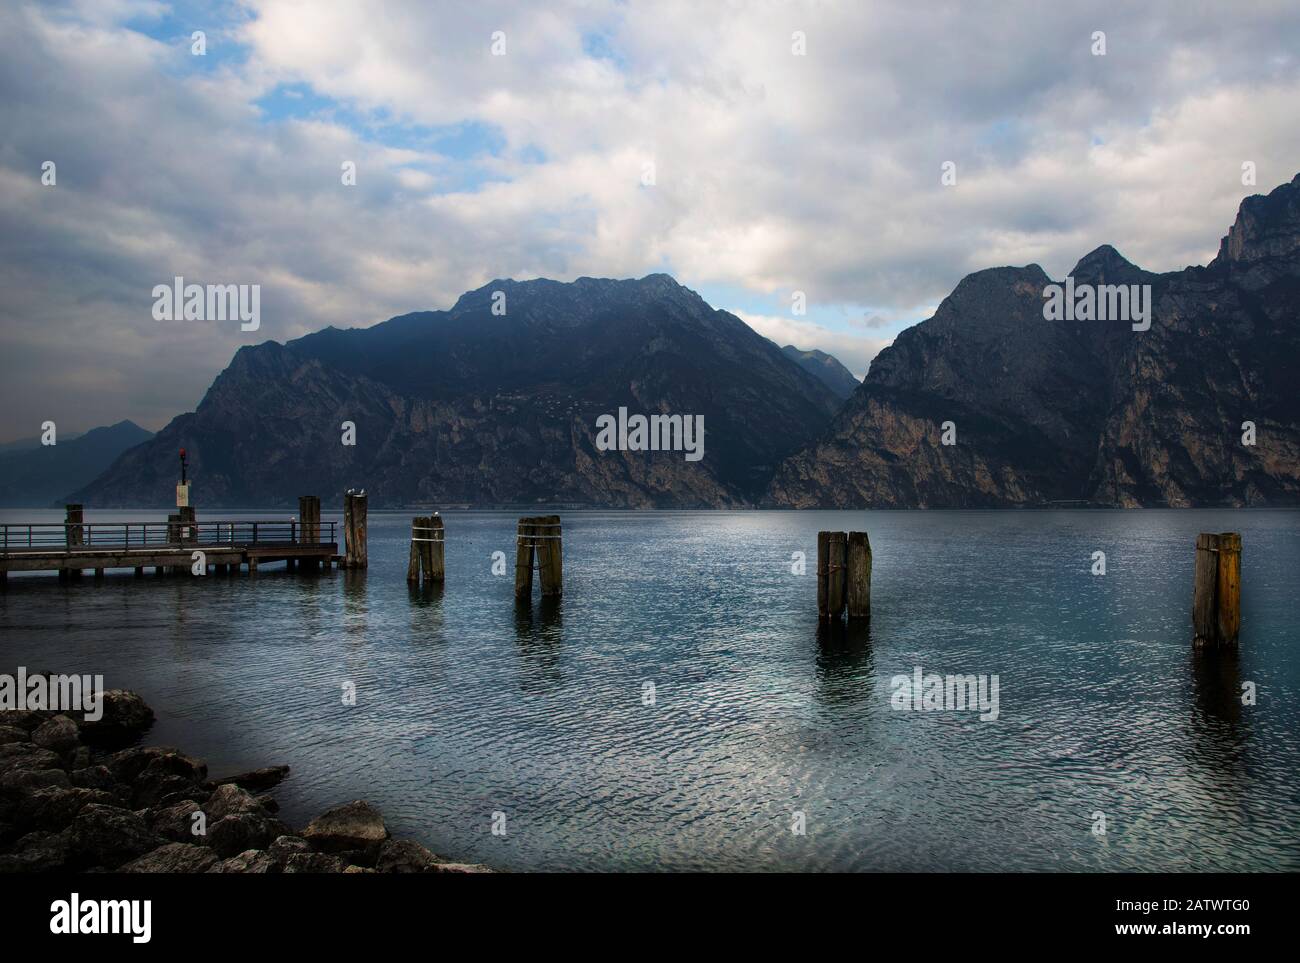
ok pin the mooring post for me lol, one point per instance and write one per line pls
(831, 563)
(308, 525)
(73, 519)
(437, 568)
(525, 552)
(426, 550)
(823, 564)
(413, 562)
(859, 575)
(1216, 590)
(76, 534)
(354, 529)
(1228, 596)
(550, 553)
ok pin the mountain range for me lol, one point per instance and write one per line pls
(33, 475)
(1084, 411)
(826, 367)
(494, 402)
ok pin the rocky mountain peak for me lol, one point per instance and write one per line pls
(1105, 265)
(1267, 228)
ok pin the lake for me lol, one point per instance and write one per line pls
(468, 707)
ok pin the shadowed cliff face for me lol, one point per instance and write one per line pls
(470, 407)
(1084, 410)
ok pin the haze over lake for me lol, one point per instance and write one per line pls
(466, 706)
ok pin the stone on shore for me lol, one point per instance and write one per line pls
(249, 861)
(125, 718)
(239, 832)
(258, 780)
(229, 800)
(64, 807)
(176, 822)
(405, 856)
(54, 809)
(108, 836)
(59, 734)
(166, 775)
(173, 858)
(38, 852)
(353, 827)
(93, 777)
(126, 764)
(30, 780)
(24, 755)
(313, 863)
(285, 846)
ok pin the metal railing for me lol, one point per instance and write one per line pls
(89, 536)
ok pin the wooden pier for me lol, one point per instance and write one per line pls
(75, 546)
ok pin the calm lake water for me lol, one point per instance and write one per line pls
(466, 707)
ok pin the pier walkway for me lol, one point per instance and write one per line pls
(72, 548)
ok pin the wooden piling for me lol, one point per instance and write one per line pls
(437, 567)
(308, 525)
(547, 533)
(418, 524)
(354, 529)
(525, 552)
(858, 575)
(426, 558)
(823, 565)
(1216, 589)
(73, 518)
(831, 564)
(1229, 588)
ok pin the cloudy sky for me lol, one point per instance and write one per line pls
(773, 171)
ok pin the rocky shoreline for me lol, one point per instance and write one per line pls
(79, 796)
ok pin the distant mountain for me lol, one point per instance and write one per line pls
(41, 476)
(1047, 411)
(474, 407)
(30, 442)
(824, 366)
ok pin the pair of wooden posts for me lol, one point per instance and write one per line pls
(539, 538)
(1216, 592)
(427, 546)
(843, 575)
(539, 544)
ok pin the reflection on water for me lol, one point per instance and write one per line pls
(469, 703)
(844, 667)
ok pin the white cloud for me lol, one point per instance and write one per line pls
(773, 172)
